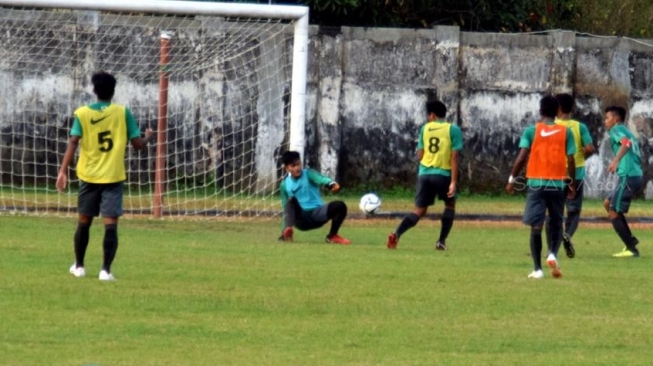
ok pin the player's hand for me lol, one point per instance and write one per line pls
(452, 190)
(62, 182)
(612, 168)
(510, 188)
(149, 134)
(334, 187)
(571, 193)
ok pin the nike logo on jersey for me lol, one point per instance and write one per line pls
(94, 121)
(548, 133)
(434, 129)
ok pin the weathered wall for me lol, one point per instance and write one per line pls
(379, 79)
(366, 94)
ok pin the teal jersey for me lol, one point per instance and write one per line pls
(456, 144)
(526, 142)
(586, 139)
(132, 127)
(630, 164)
(305, 188)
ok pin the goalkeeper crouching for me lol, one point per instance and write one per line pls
(302, 203)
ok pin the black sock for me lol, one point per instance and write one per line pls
(336, 212)
(621, 227)
(547, 231)
(536, 248)
(409, 221)
(623, 219)
(110, 245)
(555, 238)
(447, 222)
(81, 242)
(571, 224)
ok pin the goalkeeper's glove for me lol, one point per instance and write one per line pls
(333, 187)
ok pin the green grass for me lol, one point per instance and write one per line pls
(215, 293)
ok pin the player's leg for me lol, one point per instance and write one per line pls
(619, 206)
(111, 210)
(424, 197)
(336, 211)
(574, 207)
(555, 204)
(449, 211)
(534, 215)
(88, 206)
(291, 212)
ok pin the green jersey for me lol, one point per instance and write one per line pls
(630, 164)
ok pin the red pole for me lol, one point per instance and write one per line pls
(161, 148)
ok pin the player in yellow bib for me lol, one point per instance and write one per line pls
(584, 149)
(438, 147)
(102, 130)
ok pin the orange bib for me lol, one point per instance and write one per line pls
(548, 157)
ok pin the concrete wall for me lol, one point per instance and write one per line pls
(379, 80)
(366, 94)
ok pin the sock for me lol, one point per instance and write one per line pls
(555, 239)
(621, 227)
(447, 223)
(110, 245)
(536, 248)
(409, 221)
(623, 219)
(290, 212)
(547, 231)
(336, 212)
(571, 224)
(81, 243)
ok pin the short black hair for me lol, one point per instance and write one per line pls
(619, 111)
(565, 102)
(436, 107)
(104, 85)
(548, 106)
(290, 157)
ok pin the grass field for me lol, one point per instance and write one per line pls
(216, 293)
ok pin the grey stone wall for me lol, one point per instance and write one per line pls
(365, 103)
(379, 80)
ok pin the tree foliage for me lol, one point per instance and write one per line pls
(608, 17)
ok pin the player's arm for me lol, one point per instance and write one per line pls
(525, 144)
(322, 181)
(586, 141)
(134, 133)
(571, 164)
(623, 149)
(73, 142)
(521, 160)
(420, 145)
(456, 145)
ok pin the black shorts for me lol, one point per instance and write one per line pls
(430, 186)
(95, 198)
(539, 201)
(312, 219)
(623, 193)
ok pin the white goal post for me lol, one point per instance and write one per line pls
(222, 84)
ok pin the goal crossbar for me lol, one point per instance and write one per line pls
(170, 7)
(297, 13)
(293, 93)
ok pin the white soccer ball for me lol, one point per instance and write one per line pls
(370, 203)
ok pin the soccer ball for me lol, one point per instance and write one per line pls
(370, 203)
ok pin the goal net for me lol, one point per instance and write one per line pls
(221, 84)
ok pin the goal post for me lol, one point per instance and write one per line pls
(234, 99)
